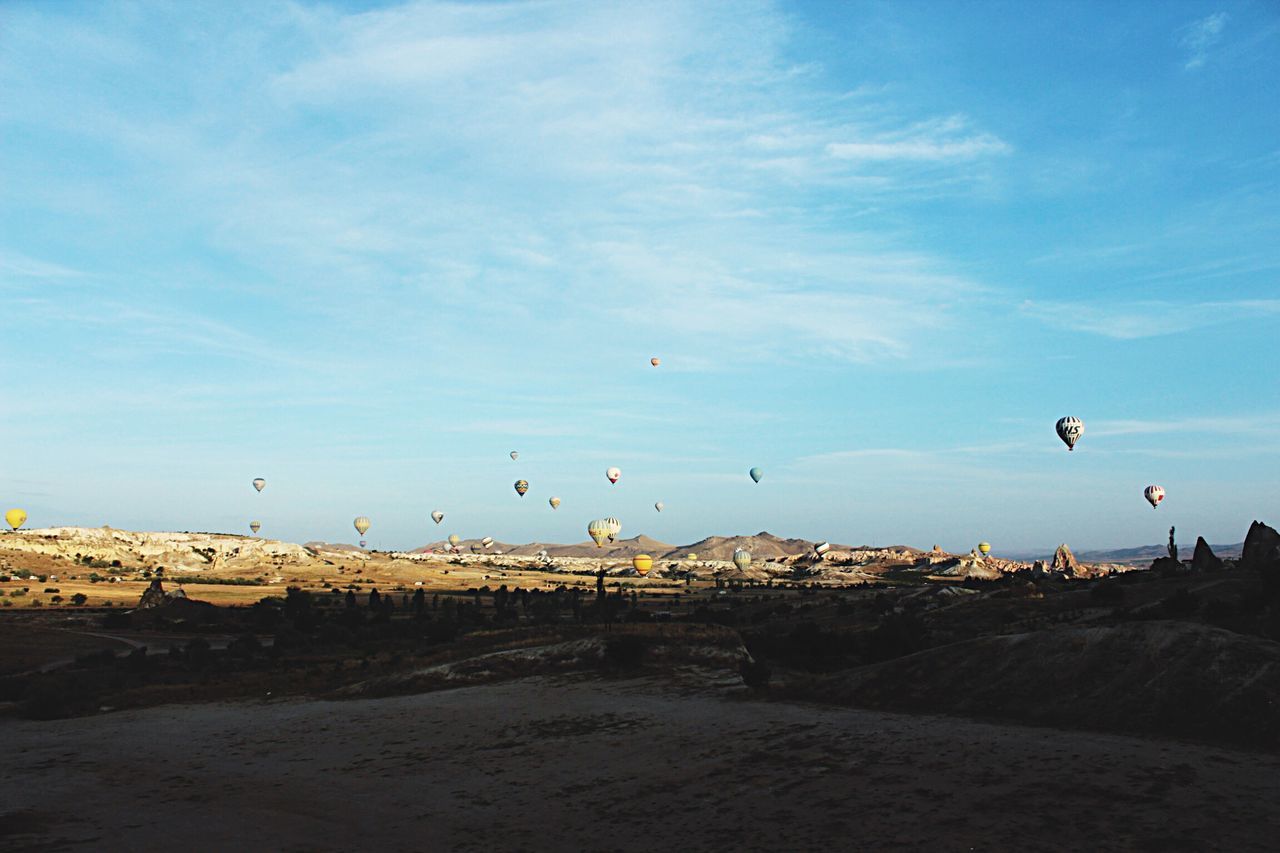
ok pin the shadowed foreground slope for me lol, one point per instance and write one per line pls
(602, 764)
(1155, 678)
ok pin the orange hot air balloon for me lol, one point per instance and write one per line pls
(655, 361)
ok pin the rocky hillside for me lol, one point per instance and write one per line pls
(132, 549)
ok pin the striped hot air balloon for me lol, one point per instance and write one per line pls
(615, 527)
(984, 548)
(1069, 430)
(555, 502)
(599, 531)
(521, 486)
(361, 525)
(642, 563)
(255, 526)
(1153, 494)
(742, 558)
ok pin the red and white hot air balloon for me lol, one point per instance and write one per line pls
(613, 474)
(1153, 494)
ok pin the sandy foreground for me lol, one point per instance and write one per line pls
(543, 764)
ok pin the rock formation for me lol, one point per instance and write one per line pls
(1064, 562)
(1261, 547)
(1204, 560)
(152, 596)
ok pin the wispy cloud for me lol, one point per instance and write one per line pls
(1198, 37)
(1147, 319)
(1244, 425)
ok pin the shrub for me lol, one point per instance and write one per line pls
(625, 651)
(1182, 604)
(79, 598)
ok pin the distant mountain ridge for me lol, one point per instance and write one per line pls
(762, 546)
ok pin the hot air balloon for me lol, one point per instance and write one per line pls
(742, 559)
(255, 526)
(521, 487)
(486, 541)
(615, 527)
(555, 502)
(1069, 430)
(598, 530)
(515, 455)
(15, 518)
(756, 474)
(691, 557)
(655, 361)
(1153, 494)
(613, 474)
(259, 484)
(437, 516)
(658, 506)
(364, 544)
(454, 539)
(361, 524)
(642, 564)
(984, 548)
(822, 548)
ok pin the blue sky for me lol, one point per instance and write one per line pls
(365, 250)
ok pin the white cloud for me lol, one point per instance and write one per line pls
(1201, 35)
(1147, 319)
(920, 149)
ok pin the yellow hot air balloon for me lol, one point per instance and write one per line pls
(691, 557)
(742, 558)
(642, 563)
(555, 502)
(15, 518)
(599, 531)
(361, 524)
(984, 548)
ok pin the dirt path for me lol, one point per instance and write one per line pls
(587, 765)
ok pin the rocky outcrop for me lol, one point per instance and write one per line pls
(1204, 560)
(1064, 562)
(1261, 548)
(152, 596)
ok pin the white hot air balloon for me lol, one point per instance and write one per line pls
(615, 527)
(515, 455)
(486, 541)
(555, 502)
(658, 506)
(613, 474)
(1069, 430)
(259, 483)
(822, 547)
(437, 516)
(1153, 494)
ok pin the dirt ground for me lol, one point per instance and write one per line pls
(549, 765)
